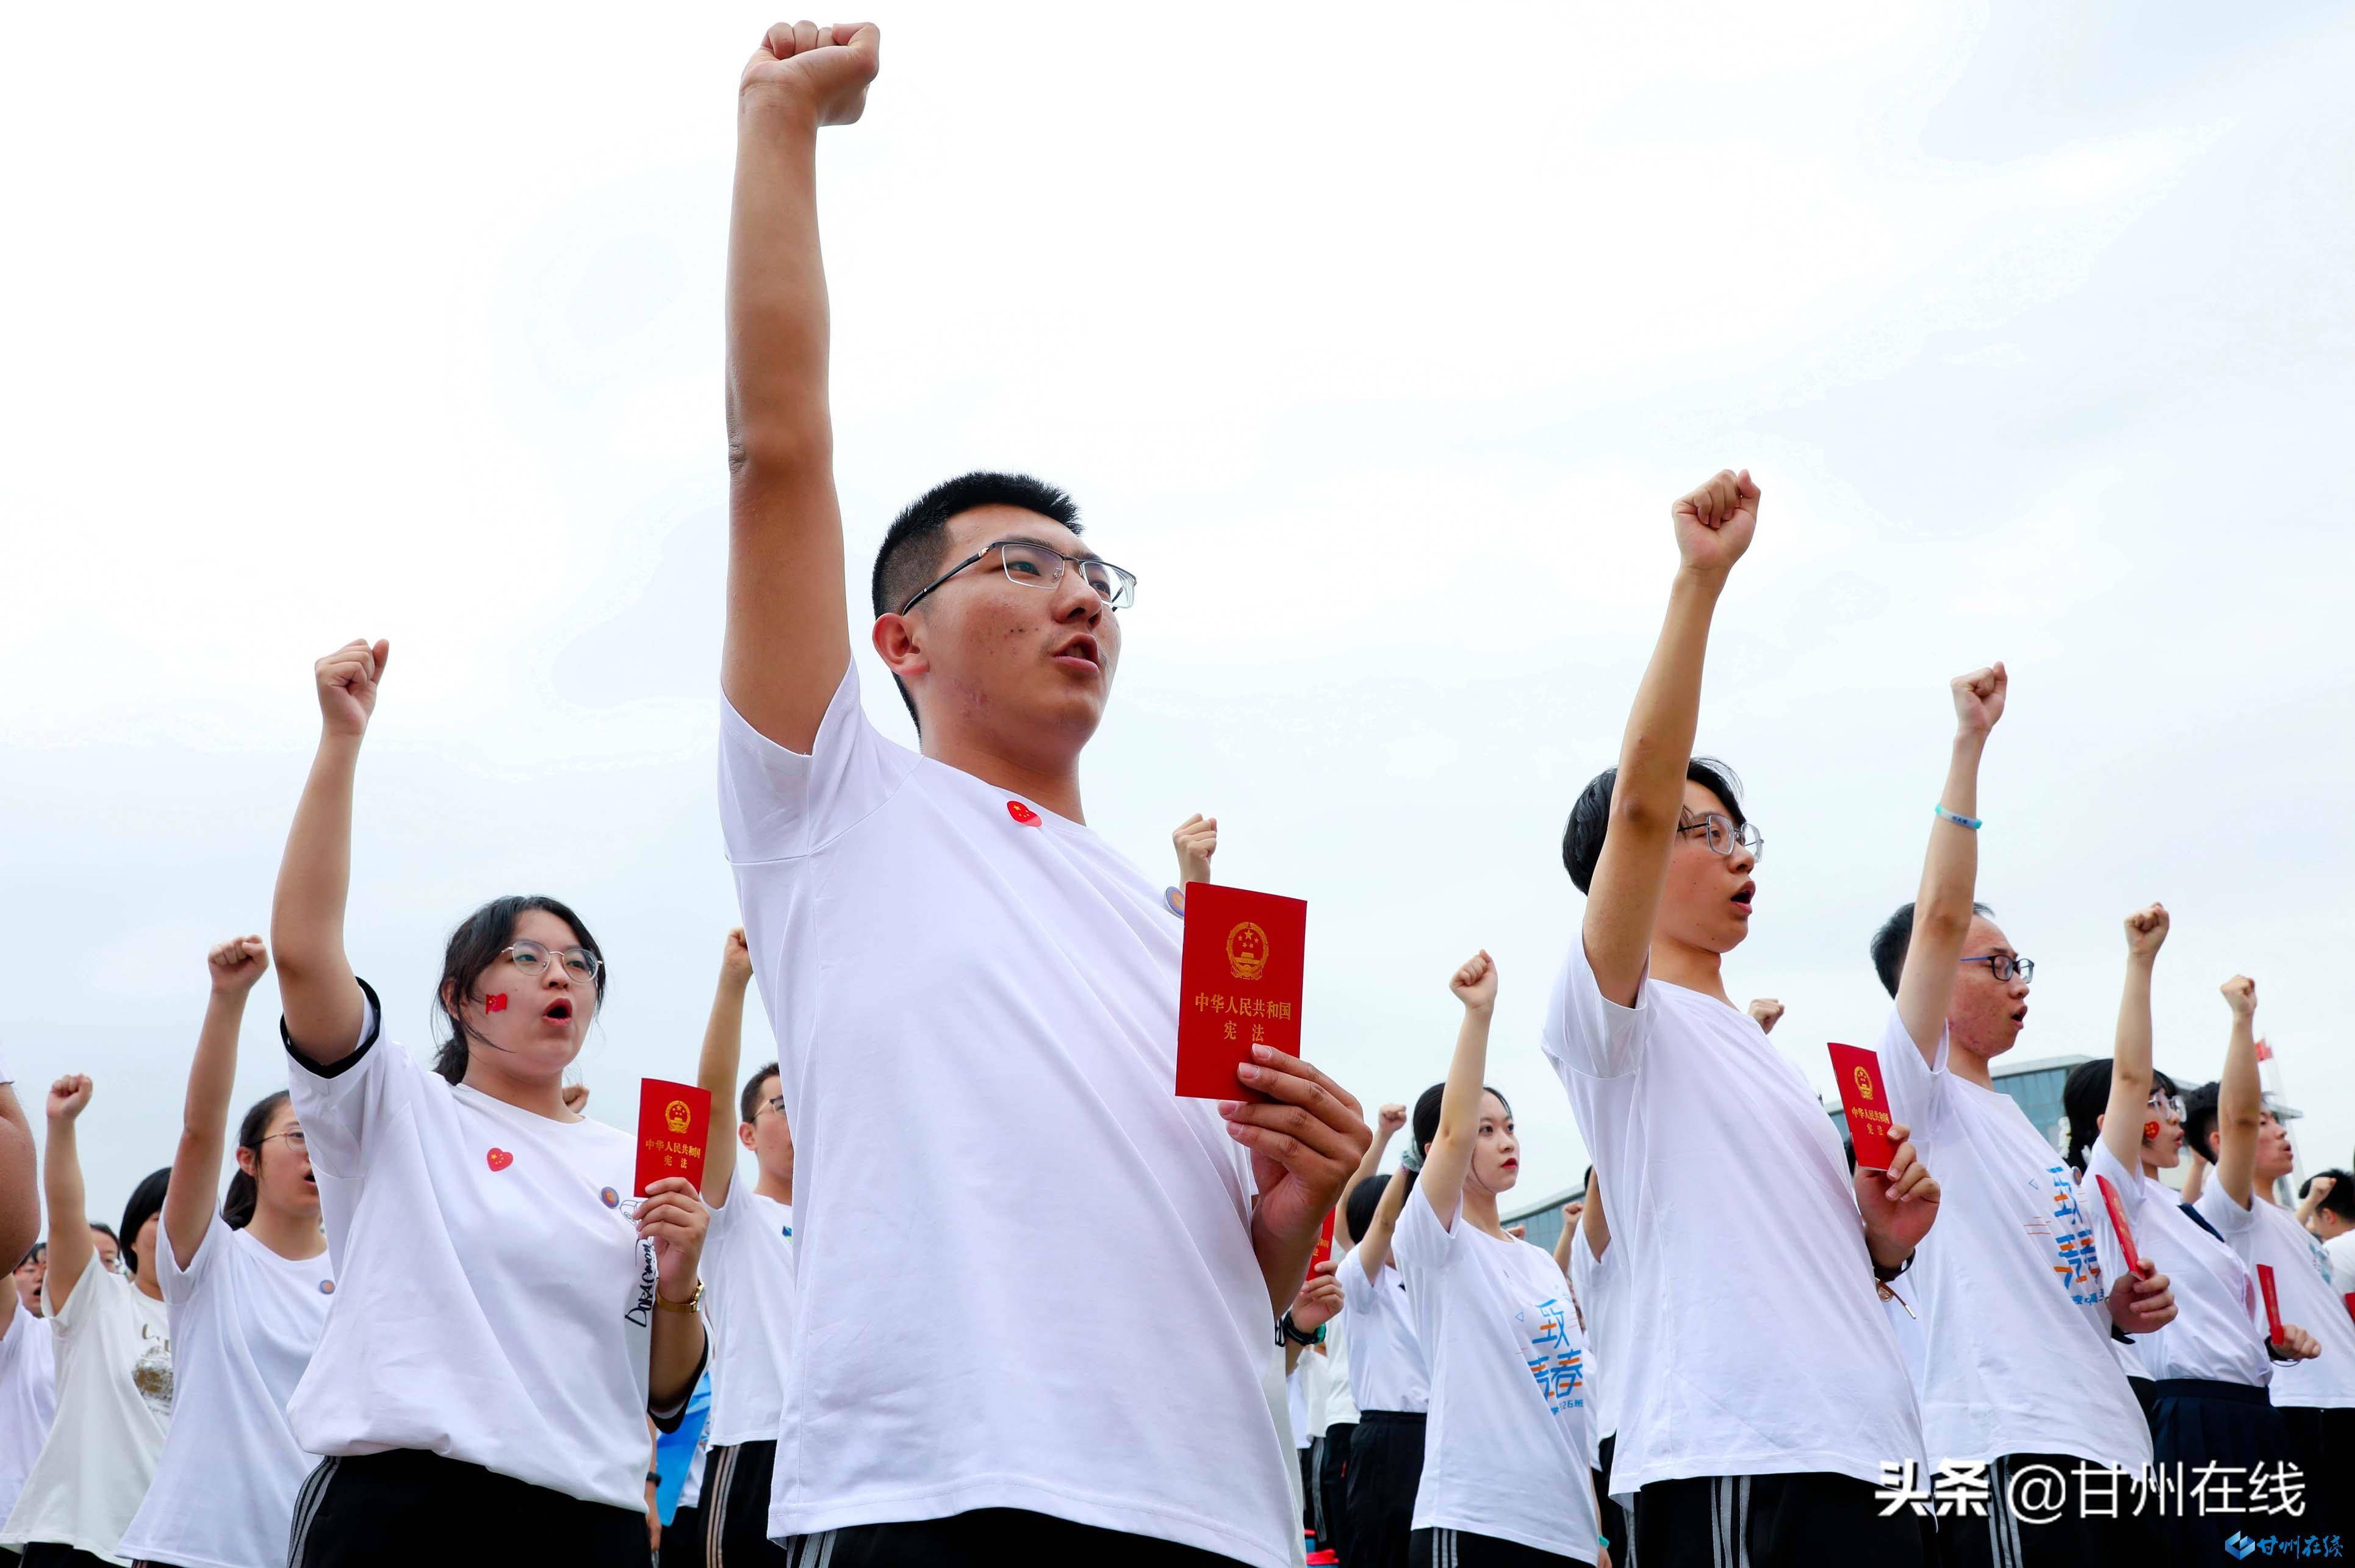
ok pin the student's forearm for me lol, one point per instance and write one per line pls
(204, 1121)
(321, 997)
(1450, 1154)
(1562, 1245)
(20, 1203)
(723, 1050)
(71, 1247)
(1648, 799)
(1366, 1168)
(2130, 1073)
(1374, 1251)
(2240, 1107)
(1942, 907)
(676, 1352)
(778, 327)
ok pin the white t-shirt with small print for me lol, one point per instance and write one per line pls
(494, 1303)
(1506, 1452)
(975, 1005)
(2218, 1332)
(28, 1395)
(2014, 1336)
(748, 1299)
(244, 1323)
(2304, 1289)
(1387, 1370)
(114, 1345)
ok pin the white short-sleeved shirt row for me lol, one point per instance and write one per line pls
(494, 1303)
(1760, 1346)
(975, 1005)
(2014, 1336)
(113, 1348)
(2305, 1288)
(2219, 1332)
(1387, 1370)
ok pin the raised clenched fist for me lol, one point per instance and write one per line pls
(1390, 1118)
(236, 964)
(1714, 522)
(1475, 983)
(2146, 930)
(346, 681)
(1767, 1011)
(825, 68)
(1196, 840)
(2240, 996)
(735, 958)
(69, 1096)
(1978, 698)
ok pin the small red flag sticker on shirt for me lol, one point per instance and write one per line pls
(2118, 1223)
(498, 1160)
(1239, 981)
(674, 1128)
(1866, 1100)
(1021, 814)
(2272, 1303)
(495, 1003)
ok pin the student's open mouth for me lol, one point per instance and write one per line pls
(2020, 1017)
(1080, 652)
(559, 1011)
(1743, 894)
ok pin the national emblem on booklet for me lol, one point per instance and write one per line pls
(1866, 1100)
(674, 1131)
(1239, 982)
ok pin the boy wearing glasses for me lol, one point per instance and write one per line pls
(1761, 1390)
(2017, 1369)
(975, 999)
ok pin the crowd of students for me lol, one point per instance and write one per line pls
(429, 1319)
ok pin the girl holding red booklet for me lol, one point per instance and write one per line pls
(2211, 1366)
(506, 1321)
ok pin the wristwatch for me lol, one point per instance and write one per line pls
(1885, 1275)
(691, 1305)
(1286, 1329)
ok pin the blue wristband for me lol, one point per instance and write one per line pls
(1957, 818)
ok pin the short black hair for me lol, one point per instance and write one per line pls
(748, 1103)
(1367, 1197)
(1895, 939)
(1590, 819)
(39, 1250)
(2200, 1118)
(909, 555)
(146, 1202)
(2085, 1095)
(2340, 1198)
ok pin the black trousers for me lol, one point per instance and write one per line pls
(2196, 1422)
(1385, 1471)
(2102, 1531)
(1609, 1514)
(2322, 1443)
(406, 1507)
(1770, 1521)
(683, 1538)
(55, 1554)
(736, 1505)
(988, 1537)
(1332, 1483)
(1462, 1549)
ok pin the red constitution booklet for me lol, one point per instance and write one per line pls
(673, 1129)
(1866, 1100)
(1238, 985)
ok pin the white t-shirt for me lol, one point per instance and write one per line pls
(2218, 1328)
(691, 1491)
(1341, 1405)
(1505, 1455)
(2340, 1251)
(1296, 1397)
(493, 1301)
(2267, 1233)
(114, 1346)
(2008, 1293)
(244, 1323)
(1387, 1370)
(976, 1023)
(1757, 1344)
(28, 1395)
(748, 1299)
(1594, 1280)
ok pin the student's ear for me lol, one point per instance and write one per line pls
(2098, 1119)
(247, 1163)
(744, 1134)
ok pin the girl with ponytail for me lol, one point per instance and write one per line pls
(247, 1286)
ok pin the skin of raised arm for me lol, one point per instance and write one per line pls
(1374, 1247)
(235, 966)
(315, 985)
(2240, 1097)
(1950, 871)
(2130, 1074)
(1713, 526)
(20, 1204)
(722, 1058)
(1445, 1163)
(1596, 1221)
(788, 632)
(71, 1249)
(1388, 1122)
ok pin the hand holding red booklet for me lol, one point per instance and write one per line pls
(2272, 1304)
(1866, 1100)
(1239, 983)
(674, 1131)
(2118, 1223)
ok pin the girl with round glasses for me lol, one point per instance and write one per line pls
(507, 1317)
(247, 1285)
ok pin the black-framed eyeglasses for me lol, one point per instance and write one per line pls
(1035, 565)
(533, 959)
(1723, 834)
(2004, 966)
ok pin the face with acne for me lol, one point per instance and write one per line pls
(524, 1026)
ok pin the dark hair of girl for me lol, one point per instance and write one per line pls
(236, 1208)
(146, 1202)
(482, 940)
(2085, 1095)
(1425, 1126)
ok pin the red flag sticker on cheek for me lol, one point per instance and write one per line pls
(495, 1004)
(1021, 814)
(2150, 1132)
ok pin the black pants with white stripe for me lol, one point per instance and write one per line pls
(736, 1507)
(990, 1538)
(1769, 1521)
(2107, 1535)
(1385, 1470)
(406, 1507)
(1462, 1549)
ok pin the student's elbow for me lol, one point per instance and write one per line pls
(771, 448)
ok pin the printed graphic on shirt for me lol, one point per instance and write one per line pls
(2072, 1241)
(152, 1373)
(327, 1288)
(2318, 1258)
(1554, 1360)
(609, 1198)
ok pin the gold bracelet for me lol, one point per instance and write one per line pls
(690, 1305)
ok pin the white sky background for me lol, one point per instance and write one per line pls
(1375, 340)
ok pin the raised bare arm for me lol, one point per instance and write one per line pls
(788, 632)
(70, 1248)
(2130, 1072)
(2240, 1097)
(1950, 871)
(1449, 1158)
(1387, 1122)
(723, 1053)
(234, 965)
(315, 987)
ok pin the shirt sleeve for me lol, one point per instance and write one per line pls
(2101, 1162)
(180, 1284)
(1585, 1032)
(342, 1105)
(777, 804)
(98, 1291)
(2233, 1222)
(1419, 1242)
(1913, 1096)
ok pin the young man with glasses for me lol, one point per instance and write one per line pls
(2016, 1370)
(974, 998)
(1760, 1389)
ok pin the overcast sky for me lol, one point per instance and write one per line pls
(1376, 340)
